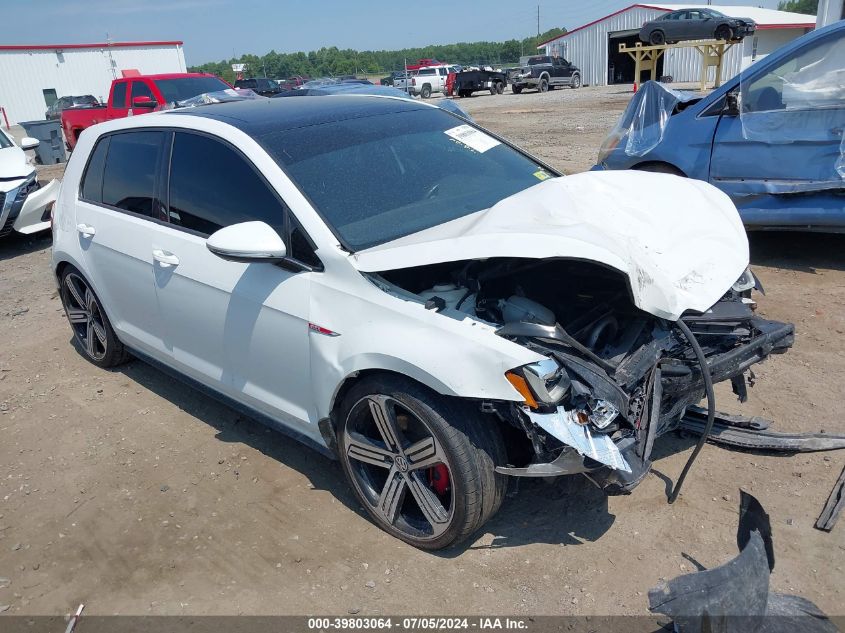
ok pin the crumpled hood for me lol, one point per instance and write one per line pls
(680, 241)
(13, 163)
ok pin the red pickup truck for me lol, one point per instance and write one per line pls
(137, 95)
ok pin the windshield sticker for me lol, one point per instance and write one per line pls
(542, 174)
(472, 138)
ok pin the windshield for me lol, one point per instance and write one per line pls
(187, 87)
(376, 179)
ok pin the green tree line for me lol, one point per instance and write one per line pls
(808, 7)
(331, 61)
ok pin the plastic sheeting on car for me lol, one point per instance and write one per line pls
(645, 119)
(802, 100)
(220, 96)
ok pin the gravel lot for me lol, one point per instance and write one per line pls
(133, 494)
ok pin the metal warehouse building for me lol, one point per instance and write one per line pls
(594, 47)
(33, 77)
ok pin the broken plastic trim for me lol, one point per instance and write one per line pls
(564, 425)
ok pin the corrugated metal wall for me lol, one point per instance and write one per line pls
(587, 49)
(24, 74)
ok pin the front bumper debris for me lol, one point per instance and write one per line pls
(563, 425)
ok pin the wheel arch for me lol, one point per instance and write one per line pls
(329, 416)
(660, 166)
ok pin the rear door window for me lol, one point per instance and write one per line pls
(130, 177)
(92, 181)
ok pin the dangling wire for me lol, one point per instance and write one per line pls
(711, 406)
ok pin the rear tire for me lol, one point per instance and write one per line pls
(423, 465)
(500, 87)
(91, 327)
(425, 93)
(516, 89)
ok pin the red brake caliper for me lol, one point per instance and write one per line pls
(438, 479)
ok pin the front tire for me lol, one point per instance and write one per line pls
(516, 89)
(544, 85)
(91, 327)
(421, 464)
(657, 38)
(724, 32)
(576, 82)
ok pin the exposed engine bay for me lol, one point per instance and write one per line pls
(616, 377)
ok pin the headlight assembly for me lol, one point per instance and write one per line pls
(543, 382)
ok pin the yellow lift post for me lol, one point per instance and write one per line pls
(646, 57)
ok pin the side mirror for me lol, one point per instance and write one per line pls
(247, 242)
(733, 103)
(143, 102)
(27, 142)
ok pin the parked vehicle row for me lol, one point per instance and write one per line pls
(408, 293)
(260, 85)
(24, 204)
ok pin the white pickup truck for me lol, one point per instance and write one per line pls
(430, 79)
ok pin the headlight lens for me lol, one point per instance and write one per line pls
(745, 282)
(546, 380)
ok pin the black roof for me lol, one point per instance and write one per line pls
(262, 116)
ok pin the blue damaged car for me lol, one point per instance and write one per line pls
(772, 138)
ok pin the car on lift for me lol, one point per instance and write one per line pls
(695, 24)
(772, 138)
(407, 293)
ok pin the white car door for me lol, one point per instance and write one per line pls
(115, 220)
(241, 328)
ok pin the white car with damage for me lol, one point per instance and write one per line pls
(24, 204)
(408, 293)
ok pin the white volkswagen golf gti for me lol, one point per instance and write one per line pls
(408, 293)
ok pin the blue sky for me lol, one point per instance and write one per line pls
(215, 29)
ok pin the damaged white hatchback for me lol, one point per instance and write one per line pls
(408, 293)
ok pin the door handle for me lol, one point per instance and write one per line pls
(165, 257)
(86, 230)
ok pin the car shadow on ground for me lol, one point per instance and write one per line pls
(802, 252)
(16, 244)
(235, 428)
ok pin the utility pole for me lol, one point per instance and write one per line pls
(538, 20)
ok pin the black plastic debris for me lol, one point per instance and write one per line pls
(833, 507)
(753, 433)
(734, 597)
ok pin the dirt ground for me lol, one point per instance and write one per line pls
(133, 494)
